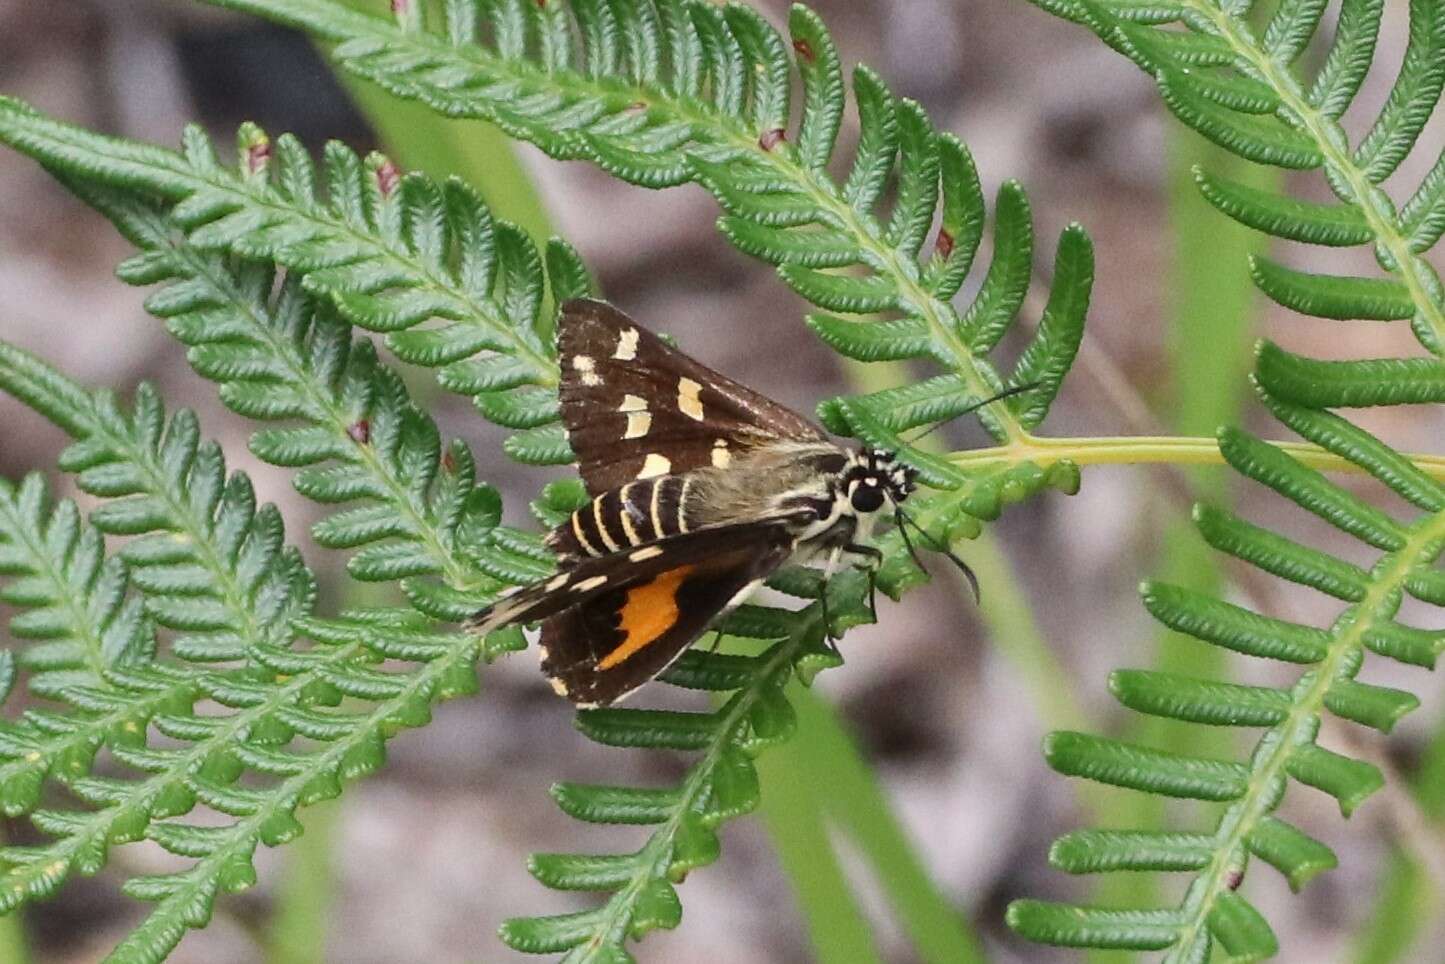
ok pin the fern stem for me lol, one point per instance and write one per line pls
(1155, 450)
(1267, 768)
(1331, 140)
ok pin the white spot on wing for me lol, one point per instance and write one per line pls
(655, 465)
(687, 398)
(645, 553)
(588, 369)
(587, 585)
(557, 582)
(721, 457)
(558, 687)
(626, 345)
(639, 419)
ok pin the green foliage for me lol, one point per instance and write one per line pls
(662, 92)
(1239, 86)
(264, 268)
(1213, 910)
(267, 265)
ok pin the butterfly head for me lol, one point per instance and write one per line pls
(875, 476)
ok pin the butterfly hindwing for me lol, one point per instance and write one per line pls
(634, 407)
(614, 622)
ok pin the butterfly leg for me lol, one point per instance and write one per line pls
(873, 560)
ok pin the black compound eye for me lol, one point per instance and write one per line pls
(866, 497)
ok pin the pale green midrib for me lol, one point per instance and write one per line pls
(281, 349)
(1379, 604)
(1409, 267)
(657, 854)
(823, 192)
(246, 830)
(1158, 450)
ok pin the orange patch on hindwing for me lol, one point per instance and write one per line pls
(649, 611)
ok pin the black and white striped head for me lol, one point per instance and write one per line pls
(873, 477)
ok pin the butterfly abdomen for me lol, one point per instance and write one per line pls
(640, 512)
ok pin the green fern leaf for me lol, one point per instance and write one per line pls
(1213, 912)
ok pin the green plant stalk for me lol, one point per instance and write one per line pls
(1182, 450)
(298, 929)
(14, 948)
(825, 758)
(836, 925)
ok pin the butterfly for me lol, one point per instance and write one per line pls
(700, 489)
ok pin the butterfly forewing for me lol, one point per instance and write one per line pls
(635, 407)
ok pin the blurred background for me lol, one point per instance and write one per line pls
(947, 701)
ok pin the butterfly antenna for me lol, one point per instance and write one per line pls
(1006, 393)
(905, 520)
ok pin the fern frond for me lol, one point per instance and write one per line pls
(657, 93)
(255, 736)
(382, 250)
(662, 92)
(211, 563)
(1246, 89)
(407, 506)
(84, 627)
(279, 726)
(722, 784)
(1214, 912)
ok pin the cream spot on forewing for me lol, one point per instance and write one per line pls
(542, 654)
(588, 369)
(654, 465)
(645, 553)
(587, 585)
(557, 582)
(558, 687)
(639, 419)
(721, 457)
(687, 398)
(626, 345)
